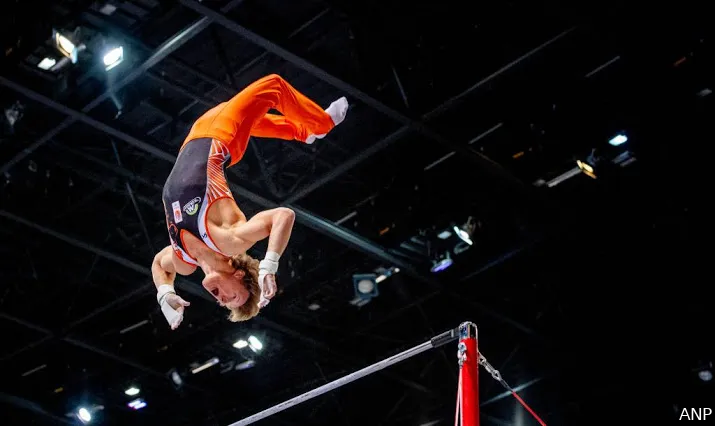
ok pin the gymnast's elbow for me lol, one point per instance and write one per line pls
(282, 220)
(159, 259)
(284, 214)
(162, 269)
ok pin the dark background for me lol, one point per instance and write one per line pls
(591, 296)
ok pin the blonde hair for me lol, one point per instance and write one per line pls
(249, 309)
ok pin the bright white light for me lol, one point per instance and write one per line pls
(65, 44)
(240, 344)
(176, 378)
(246, 364)
(47, 63)
(705, 375)
(441, 265)
(113, 58)
(132, 391)
(84, 415)
(210, 363)
(444, 235)
(618, 140)
(255, 344)
(136, 404)
(365, 286)
(584, 166)
(462, 234)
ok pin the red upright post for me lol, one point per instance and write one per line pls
(469, 374)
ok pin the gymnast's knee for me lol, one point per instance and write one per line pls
(273, 79)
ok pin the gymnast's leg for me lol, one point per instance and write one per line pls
(302, 118)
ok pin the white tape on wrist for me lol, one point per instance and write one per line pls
(163, 290)
(172, 317)
(273, 256)
(269, 264)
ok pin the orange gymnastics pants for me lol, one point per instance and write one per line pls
(246, 114)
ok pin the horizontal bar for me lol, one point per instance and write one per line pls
(430, 344)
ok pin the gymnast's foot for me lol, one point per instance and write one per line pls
(337, 112)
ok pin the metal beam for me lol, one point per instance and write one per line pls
(32, 406)
(189, 287)
(77, 243)
(92, 348)
(132, 198)
(304, 217)
(161, 52)
(487, 165)
(404, 130)
(104, 25)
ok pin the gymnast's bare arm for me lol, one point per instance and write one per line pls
(165, 267)
(163, 270)
(275, 224)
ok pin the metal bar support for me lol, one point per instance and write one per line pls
(435, 342)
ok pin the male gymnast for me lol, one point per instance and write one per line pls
(207, 229)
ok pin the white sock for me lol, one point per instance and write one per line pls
(337, 112)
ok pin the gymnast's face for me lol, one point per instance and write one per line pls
(227, 287)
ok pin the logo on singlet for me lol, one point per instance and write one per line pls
(192, 206)
(176, 207)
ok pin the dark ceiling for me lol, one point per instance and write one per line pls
(588, 293)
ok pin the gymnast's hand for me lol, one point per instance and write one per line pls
(268, 285)
(177, 304)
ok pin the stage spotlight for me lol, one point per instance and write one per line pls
(245, 365)
(463, 235)
(365, 286)
(586, 168)
(466, 231)
(136, 404)
(619, 139)
(132, 391)
(442, 264)
(240, 344)
(176, 378)
(589, 165)
(444, 235)
(84, 415)
(254, 344)
(67, 45)
(705, 371)
(47, 63)
(113, 57)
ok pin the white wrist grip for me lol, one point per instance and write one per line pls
(269, 265)
(163, 290)
(171, 315)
